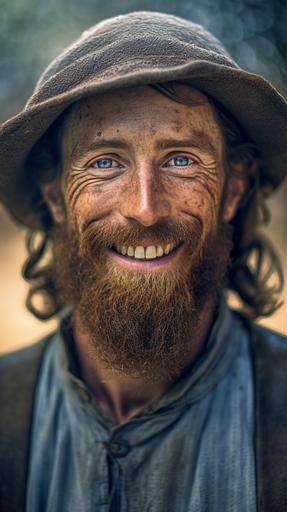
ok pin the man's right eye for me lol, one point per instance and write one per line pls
(105, 163)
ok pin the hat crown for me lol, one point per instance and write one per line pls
(130, 42)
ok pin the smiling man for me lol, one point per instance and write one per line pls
(141, 239)
(139, 167)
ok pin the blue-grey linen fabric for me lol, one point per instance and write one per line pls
(190, 451)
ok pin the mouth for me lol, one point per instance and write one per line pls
(146, 257)
(149, 252)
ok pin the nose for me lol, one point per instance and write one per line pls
(145, 199)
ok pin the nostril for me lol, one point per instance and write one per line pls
(149, 216)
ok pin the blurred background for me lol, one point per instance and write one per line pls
(32, 32)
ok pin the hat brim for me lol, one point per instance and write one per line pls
(258, 107)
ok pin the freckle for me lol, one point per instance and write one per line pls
(99, 134)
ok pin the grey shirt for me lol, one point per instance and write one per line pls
(190, 451)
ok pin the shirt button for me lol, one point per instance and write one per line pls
(118, 448)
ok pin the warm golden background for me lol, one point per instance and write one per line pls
(34, 31)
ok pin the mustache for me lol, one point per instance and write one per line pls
(98, 235)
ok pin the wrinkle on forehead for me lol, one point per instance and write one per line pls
(142, 111)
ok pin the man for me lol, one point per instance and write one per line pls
(143, 159)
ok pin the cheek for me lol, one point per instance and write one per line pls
(88, 200)
(201, 201)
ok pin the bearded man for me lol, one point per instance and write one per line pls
(140, 166)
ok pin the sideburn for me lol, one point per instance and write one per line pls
(140, 324)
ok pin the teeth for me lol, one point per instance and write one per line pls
(150, 252)
(139, 253)
(167, 249)
(145, 253)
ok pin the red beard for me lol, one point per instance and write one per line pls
(140, 323)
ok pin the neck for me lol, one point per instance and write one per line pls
(120, 396)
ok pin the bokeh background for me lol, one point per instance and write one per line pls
(32, 32)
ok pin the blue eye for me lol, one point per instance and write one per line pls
(105, 163)
(180, 161)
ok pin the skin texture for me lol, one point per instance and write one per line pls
(138, 158)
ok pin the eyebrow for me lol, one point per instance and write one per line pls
(79, 153)
(198, 140)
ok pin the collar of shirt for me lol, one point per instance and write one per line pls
(202, 376)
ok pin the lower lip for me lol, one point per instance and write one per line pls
(155, 264)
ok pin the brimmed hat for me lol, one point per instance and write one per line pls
(135, 49)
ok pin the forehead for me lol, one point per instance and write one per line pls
(132, 113)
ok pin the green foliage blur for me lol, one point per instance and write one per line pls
(32, 32)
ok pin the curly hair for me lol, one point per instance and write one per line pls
(255, 274)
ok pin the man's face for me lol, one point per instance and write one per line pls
(141, 242)
(143, 159)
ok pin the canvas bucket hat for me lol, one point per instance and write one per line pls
(136, 49)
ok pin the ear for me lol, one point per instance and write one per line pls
(52, 195)
(235, 189)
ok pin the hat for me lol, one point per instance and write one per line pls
(136, 49)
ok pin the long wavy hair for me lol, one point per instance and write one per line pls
(255, 274)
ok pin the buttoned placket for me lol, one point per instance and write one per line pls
(114, 445)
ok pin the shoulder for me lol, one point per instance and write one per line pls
(268, 347)
(274, 338)
(19, 372)
(270, 336)
(22, 362)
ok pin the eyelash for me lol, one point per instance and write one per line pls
(189, 158)
(181, 156)
(101, 159)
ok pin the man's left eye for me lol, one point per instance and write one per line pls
(105, 163)
(180, 161)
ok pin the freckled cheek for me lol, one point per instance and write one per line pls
(90, 204)
(194, 204)
(201, 204)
